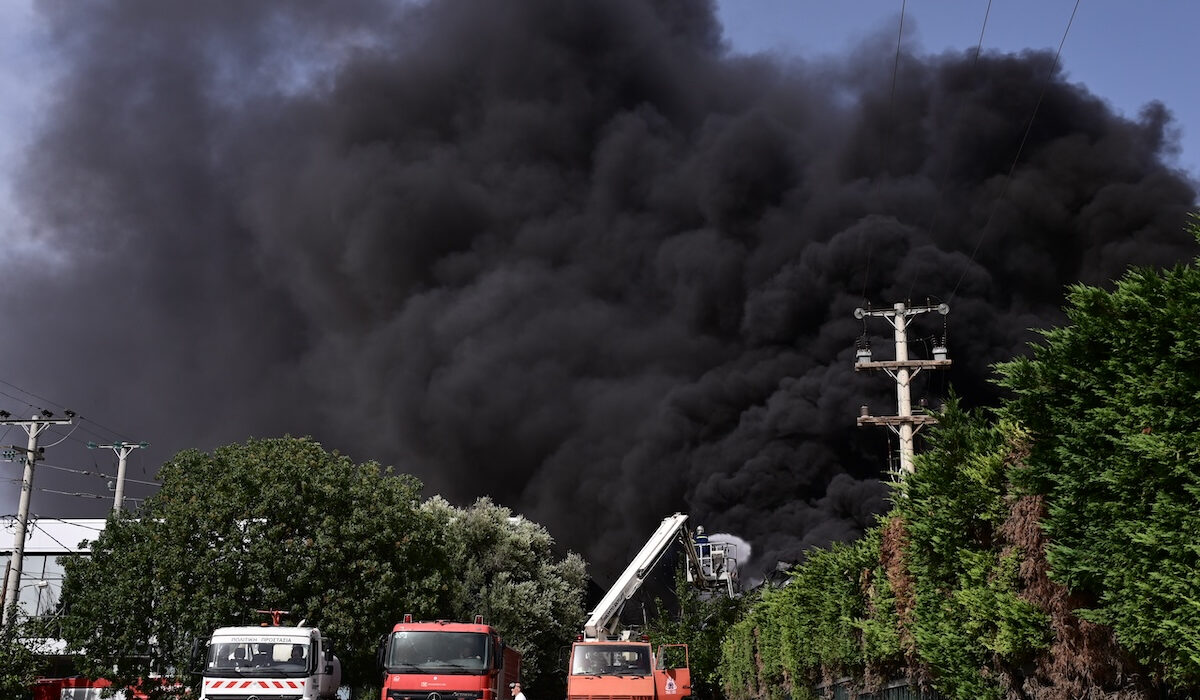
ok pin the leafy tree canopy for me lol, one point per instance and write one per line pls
(505, 568)
(1049, 553)
(1112, 402)
(283, 524)
(19, 665)
(701, 622)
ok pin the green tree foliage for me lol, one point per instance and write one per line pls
(1113, 403)
(283, 524)
(701, 622)
(810, 631)
(277, 523)
(19, 665)
(505, 568)
(932, 594)
(1023, 544)
(971, 624)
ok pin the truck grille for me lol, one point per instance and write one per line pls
(257, 695)
(609, 697)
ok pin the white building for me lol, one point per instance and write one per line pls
(47, 541)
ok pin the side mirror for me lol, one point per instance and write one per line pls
(198, 657)
(328, 669)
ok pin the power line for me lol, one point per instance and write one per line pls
(29, 393)
(68, 522)
(63, 438)
(85, 472)
(941, 199)
(47, 534)
(78, 494)
(1020, 147)
(56, 404)
(885, 147)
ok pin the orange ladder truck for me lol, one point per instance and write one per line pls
(606, 663)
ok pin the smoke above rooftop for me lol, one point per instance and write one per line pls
(575, 256)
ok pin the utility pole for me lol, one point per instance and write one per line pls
(902, 369)
(33, 427)
(122, 449)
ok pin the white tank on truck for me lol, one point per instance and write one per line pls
(270, 661)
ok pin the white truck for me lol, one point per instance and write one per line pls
(270, 662)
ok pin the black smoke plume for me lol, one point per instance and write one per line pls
(574, 255)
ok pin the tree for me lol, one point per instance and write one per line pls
(702, 622)
(505, 568)
(1111, 400)
(19, 666)
(274, 523)
(1048, 553)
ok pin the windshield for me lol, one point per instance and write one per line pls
(611, 660)
(245, 659)
(438, 652)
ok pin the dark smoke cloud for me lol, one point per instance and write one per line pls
(572, 255)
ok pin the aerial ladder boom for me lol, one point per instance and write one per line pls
(710, 566)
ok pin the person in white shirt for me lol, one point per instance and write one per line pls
(516, 691)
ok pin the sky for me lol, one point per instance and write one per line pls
(592, 258)
(1127, 53)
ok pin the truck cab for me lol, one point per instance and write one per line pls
(246, 662)
(612, 669)
(449, 659)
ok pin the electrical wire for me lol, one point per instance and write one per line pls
(34, 524)
(885, 147)
(896, 61)
(1021, 147)
(71, 522)
(77, 494)
(63, 438)
(85, 472)
(28, 393)
(61, 407)
(103, 427)
(941, 199)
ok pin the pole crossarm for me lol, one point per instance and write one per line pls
(901, 311)
(897, 420)
(909, 364)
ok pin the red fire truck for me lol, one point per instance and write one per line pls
(447, 659)
(76, 688)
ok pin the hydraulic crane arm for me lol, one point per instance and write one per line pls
(604, 618)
